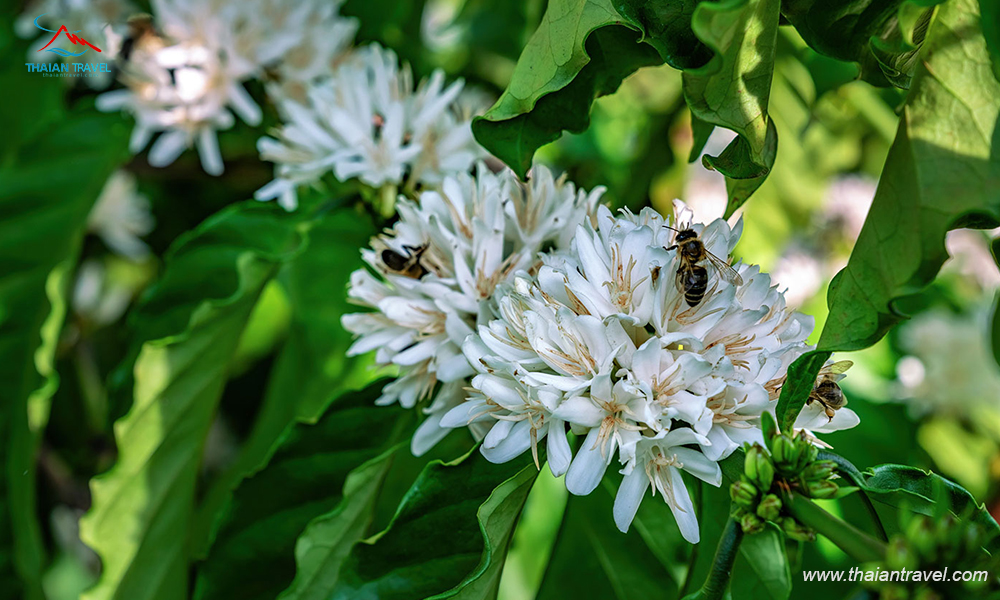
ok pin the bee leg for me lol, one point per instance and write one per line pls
(830, 413)
(674, 247)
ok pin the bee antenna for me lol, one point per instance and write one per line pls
(672, 228)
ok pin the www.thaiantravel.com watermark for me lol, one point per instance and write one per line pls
(901, 575)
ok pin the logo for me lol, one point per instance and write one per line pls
(72, 37)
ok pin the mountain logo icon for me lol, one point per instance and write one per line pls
(71, 36)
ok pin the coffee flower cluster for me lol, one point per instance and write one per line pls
(435, 271)
(368, 121)
(599, 340)
(184, 68)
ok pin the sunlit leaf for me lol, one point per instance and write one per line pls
(142, 507)
(46, 193)
(881, 35)
(253, 554)
(940, 174)
(449, 536)
(732, 90)
(581, 50)
(311, 368)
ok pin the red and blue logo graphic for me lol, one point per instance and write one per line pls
(71, 36)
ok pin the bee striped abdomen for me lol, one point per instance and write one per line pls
(694, 282)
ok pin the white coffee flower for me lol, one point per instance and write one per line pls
(185, 77)
(602, 340)
(434, 273)
(367, 121)
(121, 216)
(950, 369)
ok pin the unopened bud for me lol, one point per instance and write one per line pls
(758, 467)
(796, 530)
(899, 556)
(743, 493)
(751, 524)
(769, 508)
(785, 455)
(819, 470)
(821, 489)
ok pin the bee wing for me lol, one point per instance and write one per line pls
(837, 368)
(679, 278)
(835, 371)
(725, 271)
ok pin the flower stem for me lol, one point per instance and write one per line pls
(722, 565)
(855, 543)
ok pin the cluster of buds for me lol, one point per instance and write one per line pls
(787, 464)
(928, 544)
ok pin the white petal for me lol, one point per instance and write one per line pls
(628, 498)
(512, 446)
(559, 452)
(587, 469)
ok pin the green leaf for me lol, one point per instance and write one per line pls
(732, 90)
(327, 541)
(995, 318)
(312, 367)
(253, 555)
(592, 559)
(667, 27)
(761, 570)
(449, 536)
(47, 188)
(916, 490)
(881, 35)
(193, 318)
(941, 173)
(990, 23)
(581, 50)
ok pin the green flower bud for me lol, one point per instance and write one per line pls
(785, 455)
(796, 530)
(819, 470)
(743, 493)
(759, 468)
(751, 524)
(769, 508)
(821, 489)
(899, 555)
(920, 534)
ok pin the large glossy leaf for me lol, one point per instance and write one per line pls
(592, 559)
(990, 21)
(761, 571)
(312, 367)
(732, 90)
(920, 491)
(327, 541)
(253, 555)
(142, 507)
(582, 49)
(46, 192)
(941, 173)
(667, 27)
(449, 536)
(881, 35)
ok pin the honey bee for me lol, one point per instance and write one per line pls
(692, 277)
(407, 265)
(826, 391)
(141, 35)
